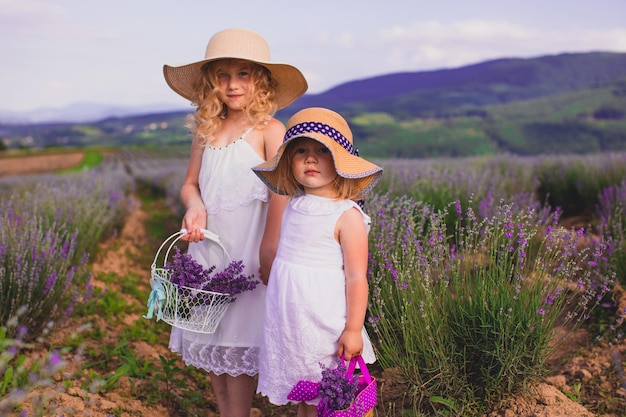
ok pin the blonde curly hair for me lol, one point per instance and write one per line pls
(206, 120)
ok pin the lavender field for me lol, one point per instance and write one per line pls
(474, 265)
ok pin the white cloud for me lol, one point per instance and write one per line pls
(431, 44)
(611, 39)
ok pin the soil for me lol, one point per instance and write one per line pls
(38, 164)
(590, 372)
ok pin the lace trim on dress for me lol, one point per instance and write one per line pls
(233, 361)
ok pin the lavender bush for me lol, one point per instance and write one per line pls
(47, 230)
(473, 321)
(479, 183)
(611, 210)
(92, 203)
(573, 183)
(440, 181)
(38, 269)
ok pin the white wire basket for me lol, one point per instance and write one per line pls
(185, 307)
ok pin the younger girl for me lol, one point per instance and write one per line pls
(317, 291)
(236, 89)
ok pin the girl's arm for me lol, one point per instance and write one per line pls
(352, 236)
(271, 235)
(195, 216)
(273, 138)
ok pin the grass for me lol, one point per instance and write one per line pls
(91, 159)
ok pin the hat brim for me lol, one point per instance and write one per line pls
(290, 83)
(364, 173)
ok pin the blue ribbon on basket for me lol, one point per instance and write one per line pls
(156, 299)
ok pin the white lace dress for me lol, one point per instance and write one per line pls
(236, 203)
(306, 298)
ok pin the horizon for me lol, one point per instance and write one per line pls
(114, 109)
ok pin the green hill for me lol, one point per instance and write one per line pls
(585, 121)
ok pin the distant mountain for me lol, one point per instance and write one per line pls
(440, 92)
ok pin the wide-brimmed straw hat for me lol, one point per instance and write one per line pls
(330, 129)
(239, 44)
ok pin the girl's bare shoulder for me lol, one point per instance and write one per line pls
(274, 126)
(272, 133)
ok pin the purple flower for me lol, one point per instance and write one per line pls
(337, 389)
(187, 272)
(50, 281)
(55, 362)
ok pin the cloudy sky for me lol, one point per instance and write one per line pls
(54, 53)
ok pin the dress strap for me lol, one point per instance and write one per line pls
(246, 132)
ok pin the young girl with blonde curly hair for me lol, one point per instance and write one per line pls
(237, 89)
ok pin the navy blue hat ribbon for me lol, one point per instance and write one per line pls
(323, 129)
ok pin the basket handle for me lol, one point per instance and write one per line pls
(362, 367)
(178, 235)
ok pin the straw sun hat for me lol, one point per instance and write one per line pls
(239, 44)
(330, 129)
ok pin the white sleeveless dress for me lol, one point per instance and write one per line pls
(236, 202)
(305, 307)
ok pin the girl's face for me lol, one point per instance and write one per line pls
(313, 167)
(235, 83)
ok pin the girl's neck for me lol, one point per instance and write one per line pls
(233, 126)
(237, 118)
(323, 193)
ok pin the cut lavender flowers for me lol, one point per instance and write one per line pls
(189, 296)
(337, 389)
(186, 272)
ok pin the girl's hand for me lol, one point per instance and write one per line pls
(264, 269)
(350, 344)
(264, 277)
(194, 221)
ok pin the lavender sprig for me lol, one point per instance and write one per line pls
(337, 389)
(187, 272)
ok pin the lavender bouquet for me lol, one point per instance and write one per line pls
(337, 389)
(186, 272)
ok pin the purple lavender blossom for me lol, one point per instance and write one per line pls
(187, 272)
(337, 389)
(50, 281)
